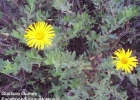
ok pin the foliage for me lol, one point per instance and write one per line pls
(58, 72)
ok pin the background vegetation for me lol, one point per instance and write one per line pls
(78, 66)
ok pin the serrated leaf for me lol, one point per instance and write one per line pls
(10, 68)
(62, 5)
(48, 62)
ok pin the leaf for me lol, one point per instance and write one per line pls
(3, 30)
(133, 79)
(16, 34)
(34, 56)
(113, 36)
(1, 14)
(75, 83)
(10, 68)
(57, 73)
(107, 63)
(48, 62)
(25, 62)
(77, 27)
(2, 64)
(62, 5)
(31, 3)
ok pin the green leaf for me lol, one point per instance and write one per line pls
(31, 3)
(10, 68)
(75, 83)
(16, 34)
(1, 14)
(48, 62)
(34, 56)
(107, 63)
(2, 64)
(57, 73)
(77, 27)
(54, 88)
(62, 5)
(112, 36)
(25, 62)
(133, 79)
(3, 30)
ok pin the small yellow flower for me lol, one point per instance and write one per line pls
(124, 61)
(39, 34)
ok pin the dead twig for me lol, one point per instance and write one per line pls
(80, 9)
(13, 77)
(3, 88)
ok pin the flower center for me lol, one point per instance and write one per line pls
(124, 60)
(39, 36)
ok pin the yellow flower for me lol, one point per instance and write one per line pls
(39, 34)
(124, 61)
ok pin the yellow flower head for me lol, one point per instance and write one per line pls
(124, 61)
(39, 34)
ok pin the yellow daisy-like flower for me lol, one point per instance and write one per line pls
(39, 34)
(124, 61)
